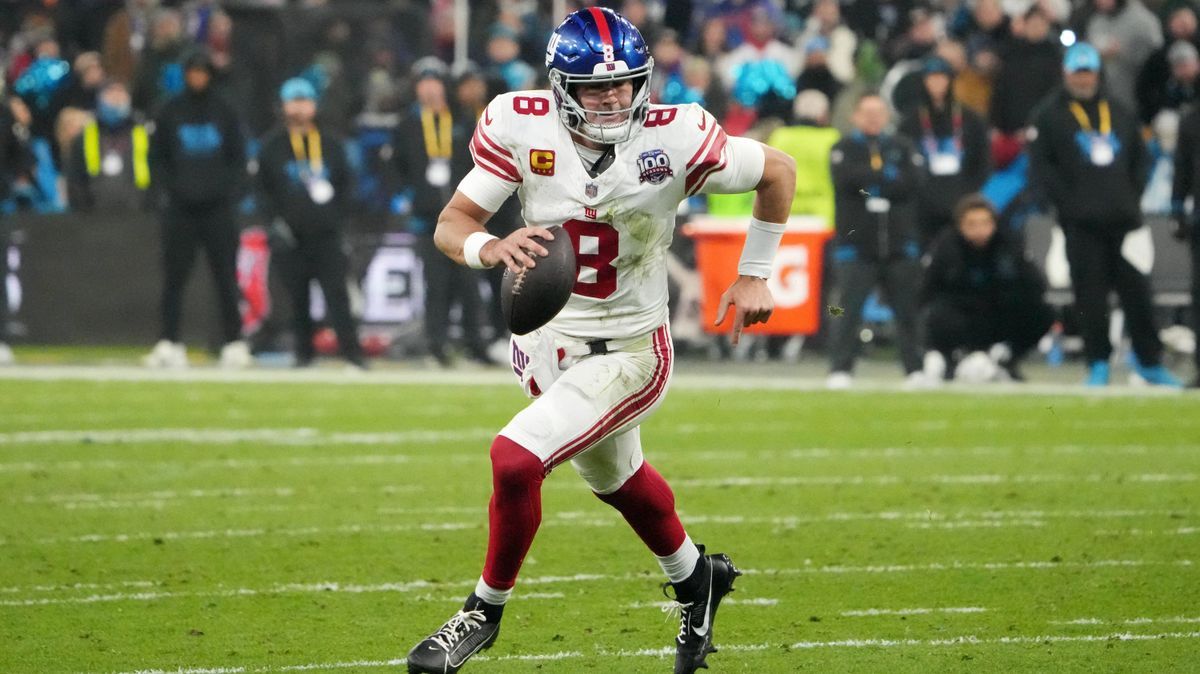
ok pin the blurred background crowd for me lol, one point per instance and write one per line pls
(80, 77)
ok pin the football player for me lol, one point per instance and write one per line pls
(594, 156)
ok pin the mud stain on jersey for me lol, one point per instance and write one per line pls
(647, 236)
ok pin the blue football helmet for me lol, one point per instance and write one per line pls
(598, 45)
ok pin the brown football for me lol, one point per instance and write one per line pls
(531, 298)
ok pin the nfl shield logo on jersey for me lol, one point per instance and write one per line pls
(655, 167)
(591, 190)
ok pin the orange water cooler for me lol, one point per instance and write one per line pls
(795, 281)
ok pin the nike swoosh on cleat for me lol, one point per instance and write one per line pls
(702, 630)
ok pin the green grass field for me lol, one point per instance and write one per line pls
(213, 527)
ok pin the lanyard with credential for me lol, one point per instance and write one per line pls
(876, 158)
(437, 141)
(316, 162)
(930, 138)
(1085, 124)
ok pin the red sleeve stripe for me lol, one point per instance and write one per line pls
(704, 178)
(700, 150)
(491, 162)
(602, 25)
(491, 143)
(713, 158)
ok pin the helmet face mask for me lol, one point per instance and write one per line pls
(594, 47)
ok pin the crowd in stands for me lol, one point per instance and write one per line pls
(758, 65)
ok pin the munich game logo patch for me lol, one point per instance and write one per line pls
(541, 162)
(654, 167)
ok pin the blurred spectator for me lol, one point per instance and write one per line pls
(1125, 33)
(16, 167)
(470, 98)
(1187, 186)
(981, 294)
(875, 178)
(503, 53)
(972, 87)
(1180, 26)
(809, 142)
(925, 29)
(759, 46)
(86, 78)
(1179, 91)
(669, 57)
(126, 35)
(825, 21)
(745, 20)
(879, 21)
(108, 167)
(198, 163)
(954, 143)
(987, 29)
(307, 181)
(714, 40)
(429, 169)
(159, 75)
(1030, 68)
(1089, 157)
(816, 74)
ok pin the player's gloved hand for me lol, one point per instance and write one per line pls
(752, 304)
(517, 250)
(1183, 228)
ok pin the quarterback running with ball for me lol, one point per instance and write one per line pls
(594, 156)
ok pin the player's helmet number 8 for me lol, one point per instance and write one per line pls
(596, 45)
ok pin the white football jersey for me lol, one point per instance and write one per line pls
(620, 222)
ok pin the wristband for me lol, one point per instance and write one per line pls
(762, 241)
(471, 247)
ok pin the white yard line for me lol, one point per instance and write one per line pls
(416, 585)
(872, 612)
(224, 436)
(682, 379)
(969, 480)
(1173, 620)
(913, 519)
(730, 601)
(964, 640)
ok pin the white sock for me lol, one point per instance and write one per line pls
(679, 564)
(490, 594)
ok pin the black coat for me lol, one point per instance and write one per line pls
(16, 160)
(1187, 163)
(1028, 73)
(939, 193)
(1104, 198)
(197, 152)
(862, 234)
(412, 160)
(287, 196)
(975, 279)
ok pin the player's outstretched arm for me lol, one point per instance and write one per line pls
(463, 219)
(749, 295)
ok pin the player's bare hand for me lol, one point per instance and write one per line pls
(752, 303)
(517, 250)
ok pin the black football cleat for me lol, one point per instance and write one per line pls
(695, 640)
(447, 650)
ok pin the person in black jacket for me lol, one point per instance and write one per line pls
(431, 154)
(306, 180)
(875, 178)
(16, 166)
(1030, 68)
(1187, 184)
(954, 141)
(1088, 155)
(981, 294)
(198, 161)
